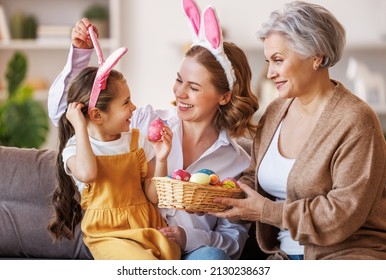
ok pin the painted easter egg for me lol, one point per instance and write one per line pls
(181, 174)
(229, 183)
(214, 179)
(200, 178)
(154, 132)
(219, 183)
(206, 171)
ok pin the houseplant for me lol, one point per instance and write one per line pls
(99, 16)
(23, 120)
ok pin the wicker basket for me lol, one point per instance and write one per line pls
(191, 196)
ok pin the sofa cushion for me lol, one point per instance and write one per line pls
(26, 184)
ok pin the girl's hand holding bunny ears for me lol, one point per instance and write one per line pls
(80, 36)
(75, 116)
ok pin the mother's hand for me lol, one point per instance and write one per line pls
(80, 37)
(248, 209)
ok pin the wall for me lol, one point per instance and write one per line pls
(154, 31)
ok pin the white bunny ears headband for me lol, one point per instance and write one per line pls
(103, 70)
(208, 34)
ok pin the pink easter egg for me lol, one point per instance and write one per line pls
(181, 174)
(155, 130)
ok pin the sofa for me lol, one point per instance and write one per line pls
(27, 181)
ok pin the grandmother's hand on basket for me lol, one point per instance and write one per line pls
(176, 234)
(248, 209)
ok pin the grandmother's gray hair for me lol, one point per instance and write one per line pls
(309, 29)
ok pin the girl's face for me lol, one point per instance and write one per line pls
(117, 118)
(292, 74)
(196, 97)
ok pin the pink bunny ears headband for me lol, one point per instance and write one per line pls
(103, 70)
(208, 34)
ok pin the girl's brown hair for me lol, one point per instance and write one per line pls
(236, 115)
(66, 197)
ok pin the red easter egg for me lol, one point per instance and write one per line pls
(219, 183)
(155, 130)
(181, 174)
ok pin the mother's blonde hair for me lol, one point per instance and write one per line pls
(237, 115)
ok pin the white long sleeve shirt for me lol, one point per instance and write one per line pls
(225, 157)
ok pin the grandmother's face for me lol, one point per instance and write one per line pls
(292, 74)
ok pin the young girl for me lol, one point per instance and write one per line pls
(108, 163)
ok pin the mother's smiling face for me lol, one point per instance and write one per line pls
(196, 97)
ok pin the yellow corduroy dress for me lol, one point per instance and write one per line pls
(119, 222)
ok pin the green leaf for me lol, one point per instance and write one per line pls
(22, 94)
(96, 11)
(23, 124)
(23, 120)
(16, 72)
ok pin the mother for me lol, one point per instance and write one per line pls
(212, 109)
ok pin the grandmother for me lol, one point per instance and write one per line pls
(316, 183)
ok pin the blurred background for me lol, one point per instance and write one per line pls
(156, 33)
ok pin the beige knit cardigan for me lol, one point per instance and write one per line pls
(336, 190)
